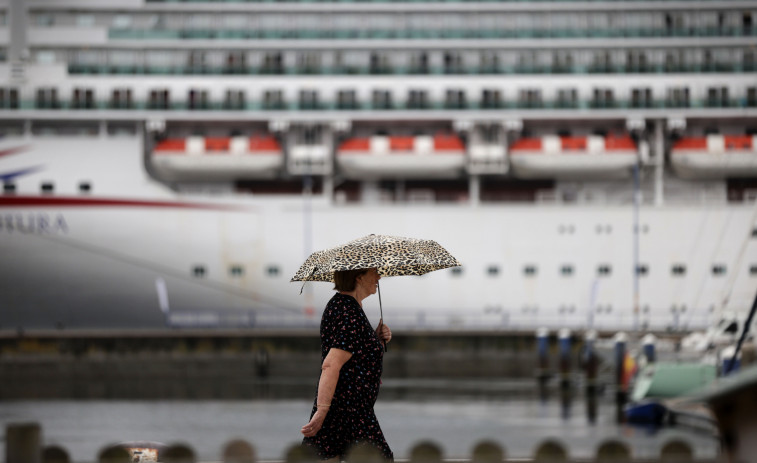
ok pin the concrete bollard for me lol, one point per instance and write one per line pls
(550, 451)
(114, 454)
(178, 453)
(676, 451)
(488, 452)
(22, 443)
(364, 453)
(621, 394)
(238, 451)
(542, 362)
(613, 451)
(649, 343)
(55, 454)
(426, 452)
(298, 453)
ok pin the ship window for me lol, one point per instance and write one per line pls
(604, 270)
(382, 99)
(235, 99)
(273, 99)
(347, 99)
(566, 270)
(198, 99)
(718, 269)
(678, 270)
(642, 270)
(529, 270)
(236, 270)
(417, 99)
(85, 187)
(272, 270)
(308, 99)
(456, 271)
(9, 187)
(198, 271)
(9, 98)
(492, 270)
(47, 187)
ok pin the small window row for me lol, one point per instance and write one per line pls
(605, 270)
(47, 187)
(235, 271)
(383, 99)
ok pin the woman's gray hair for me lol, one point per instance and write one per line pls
(346, 280)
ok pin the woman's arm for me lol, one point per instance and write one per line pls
(332, 364)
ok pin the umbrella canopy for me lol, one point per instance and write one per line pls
(390, 255)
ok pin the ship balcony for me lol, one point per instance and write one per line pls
(309, 160)
(487, 159)
(217, 159)
(440, 156)
(715, 156)
(573, 157)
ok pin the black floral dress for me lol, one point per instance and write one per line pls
(350, 419)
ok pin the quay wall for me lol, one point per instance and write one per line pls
(242, 365)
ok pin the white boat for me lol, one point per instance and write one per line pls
(175, 162)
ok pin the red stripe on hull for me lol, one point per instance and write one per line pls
(67, 201)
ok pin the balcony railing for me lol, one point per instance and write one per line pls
(735, 67)
(428, 34)
(476, 105)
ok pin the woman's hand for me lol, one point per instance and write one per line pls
(312, 428)
(383, 332)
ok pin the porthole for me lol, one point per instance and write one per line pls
(198, 271)
(753, 270)
(566, 270)
(604, 270)
(272, 270)
(492, 270)
(529, 270)
(47, 187)
(9, 187)
(236, 271)
(718, 269)
(456, 271)
(85, 187)
(678, 270)
(642, 270)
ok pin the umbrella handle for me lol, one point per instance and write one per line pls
(381, 312)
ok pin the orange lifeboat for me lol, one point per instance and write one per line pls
(217, 158)
(715, 156)
(440, 156)
(591, 156)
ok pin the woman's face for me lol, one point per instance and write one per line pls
(369, 280)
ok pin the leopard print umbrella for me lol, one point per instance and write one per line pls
(390, 255)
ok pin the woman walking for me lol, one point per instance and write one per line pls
(352, 360)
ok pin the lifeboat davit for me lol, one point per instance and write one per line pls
(217, 159)
(440, 156)
(591, 156)
(715, 156)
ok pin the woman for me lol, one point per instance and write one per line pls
(352, 354)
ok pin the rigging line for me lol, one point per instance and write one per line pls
(692, 252)
(728, 287)
(705, 276)
(144, 264)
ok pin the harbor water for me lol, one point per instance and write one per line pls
(455, 422)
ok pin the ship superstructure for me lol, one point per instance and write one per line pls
(591, 162)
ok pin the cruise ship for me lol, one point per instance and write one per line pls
(593, 164)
